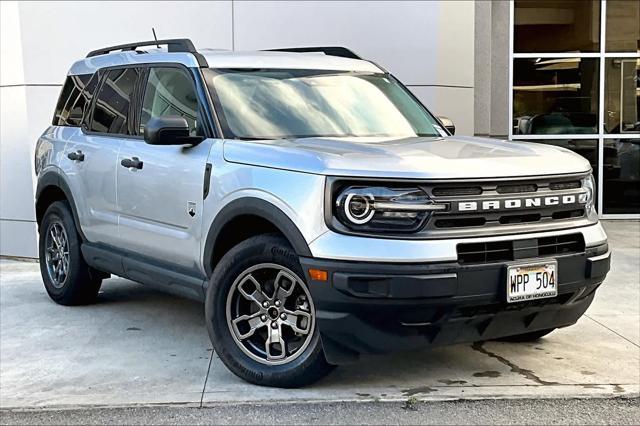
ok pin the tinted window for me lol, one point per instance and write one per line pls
(170, 91)
(622, 95)
(111, 111)
(623, 26)
(556, 26)
(74, 97)
(555, 96)
(621, 176)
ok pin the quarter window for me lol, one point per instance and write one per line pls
(74, 97)
(170, 91)
(111, 111)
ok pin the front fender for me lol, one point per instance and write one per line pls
(257, 207)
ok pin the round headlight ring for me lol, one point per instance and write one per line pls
(358, 208)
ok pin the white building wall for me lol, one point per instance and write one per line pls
(427, 45)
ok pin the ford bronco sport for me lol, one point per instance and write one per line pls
(313, 204)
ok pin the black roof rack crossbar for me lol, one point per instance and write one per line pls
(340, 51)
(173, 45)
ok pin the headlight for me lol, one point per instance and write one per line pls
(588, 198)
(379, 208)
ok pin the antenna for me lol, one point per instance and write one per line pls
(155, 37)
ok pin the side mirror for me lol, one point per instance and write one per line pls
(169, 130)
(448, 124)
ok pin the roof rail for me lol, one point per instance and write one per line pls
(340, 51)
(173, 45)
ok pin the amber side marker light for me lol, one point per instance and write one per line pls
(318, 275)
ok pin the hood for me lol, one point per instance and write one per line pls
(412, 158)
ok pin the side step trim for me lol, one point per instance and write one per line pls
(161, 276)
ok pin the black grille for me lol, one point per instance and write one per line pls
(485, 252)
(554, 186)
(560, 244)
(462, 222)
(502, 251)
(519, 218)
(456, 191)
(515, 189)
(474, 217)
(567, 214)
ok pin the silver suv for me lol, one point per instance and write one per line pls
(314, 205)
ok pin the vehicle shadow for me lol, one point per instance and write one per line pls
(165, 314)
(161, 312)
(465, 365)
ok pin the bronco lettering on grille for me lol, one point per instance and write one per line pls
(521, 203)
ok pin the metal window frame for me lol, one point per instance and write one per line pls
(601, 135)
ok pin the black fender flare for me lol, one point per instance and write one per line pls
(256, 207)
(55, 178)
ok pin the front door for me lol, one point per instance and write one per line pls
(160, 188)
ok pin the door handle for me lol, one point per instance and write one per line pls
(133, 162)
(76, 156)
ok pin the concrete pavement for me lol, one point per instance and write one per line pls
(138, 346)
(605, 411)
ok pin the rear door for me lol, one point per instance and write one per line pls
(91, 154)
(160, 203)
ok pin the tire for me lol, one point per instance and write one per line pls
(77, 284)
(526, 337)
(249, 358)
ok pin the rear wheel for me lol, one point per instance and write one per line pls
(261, 318)
(66, 276)
(526, 337)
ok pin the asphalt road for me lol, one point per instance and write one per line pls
(529, 411)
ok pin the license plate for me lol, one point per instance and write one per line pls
(532, 281)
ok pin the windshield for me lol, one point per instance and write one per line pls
(288, 104)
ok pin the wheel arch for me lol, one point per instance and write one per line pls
(53, 187)
(244, 218)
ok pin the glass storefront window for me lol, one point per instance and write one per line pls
(621, 176)
(623, 26)
(558, 93)
(556, 26)
(622, 95)
(555, 96)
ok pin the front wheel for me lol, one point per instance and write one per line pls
(261, 317)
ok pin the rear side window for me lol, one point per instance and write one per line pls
(74, 99)
(112, 107)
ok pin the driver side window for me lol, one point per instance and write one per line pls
(170, 91)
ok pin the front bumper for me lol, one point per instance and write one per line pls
(332, 245)
(367, 307)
